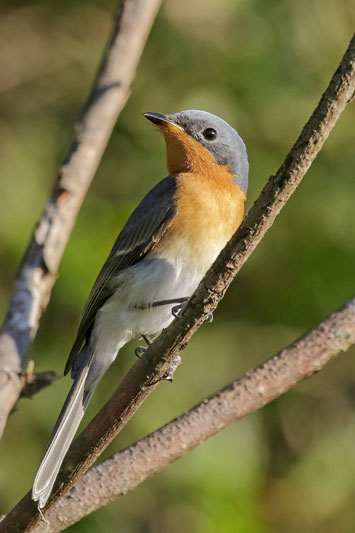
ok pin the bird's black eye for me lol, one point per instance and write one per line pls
(209, 134)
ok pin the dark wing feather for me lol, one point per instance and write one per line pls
(144, 228)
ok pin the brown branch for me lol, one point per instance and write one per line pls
(34, 382)
(40, 262)
(121, 473)
(144, 375)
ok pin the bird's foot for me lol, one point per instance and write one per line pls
(177, 310)
(159, 303)
(139, 351)
(169, 375)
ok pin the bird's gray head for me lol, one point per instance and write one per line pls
(216, 135)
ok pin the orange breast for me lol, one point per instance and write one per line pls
(210, 207)
(209, 210)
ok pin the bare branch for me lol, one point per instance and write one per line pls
(34, 382)
(144, 375)
(39, 265)
(120, 474)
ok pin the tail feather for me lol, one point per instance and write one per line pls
(63, 433)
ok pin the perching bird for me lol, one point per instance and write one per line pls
(167, 245)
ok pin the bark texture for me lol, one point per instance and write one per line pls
(145, 374)
(38, 269)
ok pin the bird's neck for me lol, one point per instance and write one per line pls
(185, 154)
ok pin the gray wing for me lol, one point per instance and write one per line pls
(142, 231)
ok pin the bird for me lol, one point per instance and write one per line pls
(157, 261)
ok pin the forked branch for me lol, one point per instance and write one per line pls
(40, 262)
(144, 375)
(126, 470)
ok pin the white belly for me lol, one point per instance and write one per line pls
(156, 278)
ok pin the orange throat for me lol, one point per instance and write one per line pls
(210, 206)
(185, 154)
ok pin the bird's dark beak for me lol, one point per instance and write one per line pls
(165, 122)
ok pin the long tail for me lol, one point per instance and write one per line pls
(63, 433)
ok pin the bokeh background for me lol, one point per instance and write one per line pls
(262, 66)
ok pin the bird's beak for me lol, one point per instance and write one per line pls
(164, 122)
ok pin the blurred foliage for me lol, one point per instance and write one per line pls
(262, 66)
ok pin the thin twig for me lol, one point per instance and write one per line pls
(39, 265)
(124, 471)
(143, 376)
(33, 382)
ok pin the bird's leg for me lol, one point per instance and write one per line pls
(159, 303)
(176, 310)
(169, 375)
(141, 349)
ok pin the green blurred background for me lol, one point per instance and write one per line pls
(262, 65)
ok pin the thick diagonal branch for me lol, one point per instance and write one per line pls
(40, 262)
(121, 473)
(144, 375)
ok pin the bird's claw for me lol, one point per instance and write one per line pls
(176, 310)
(139, 351)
